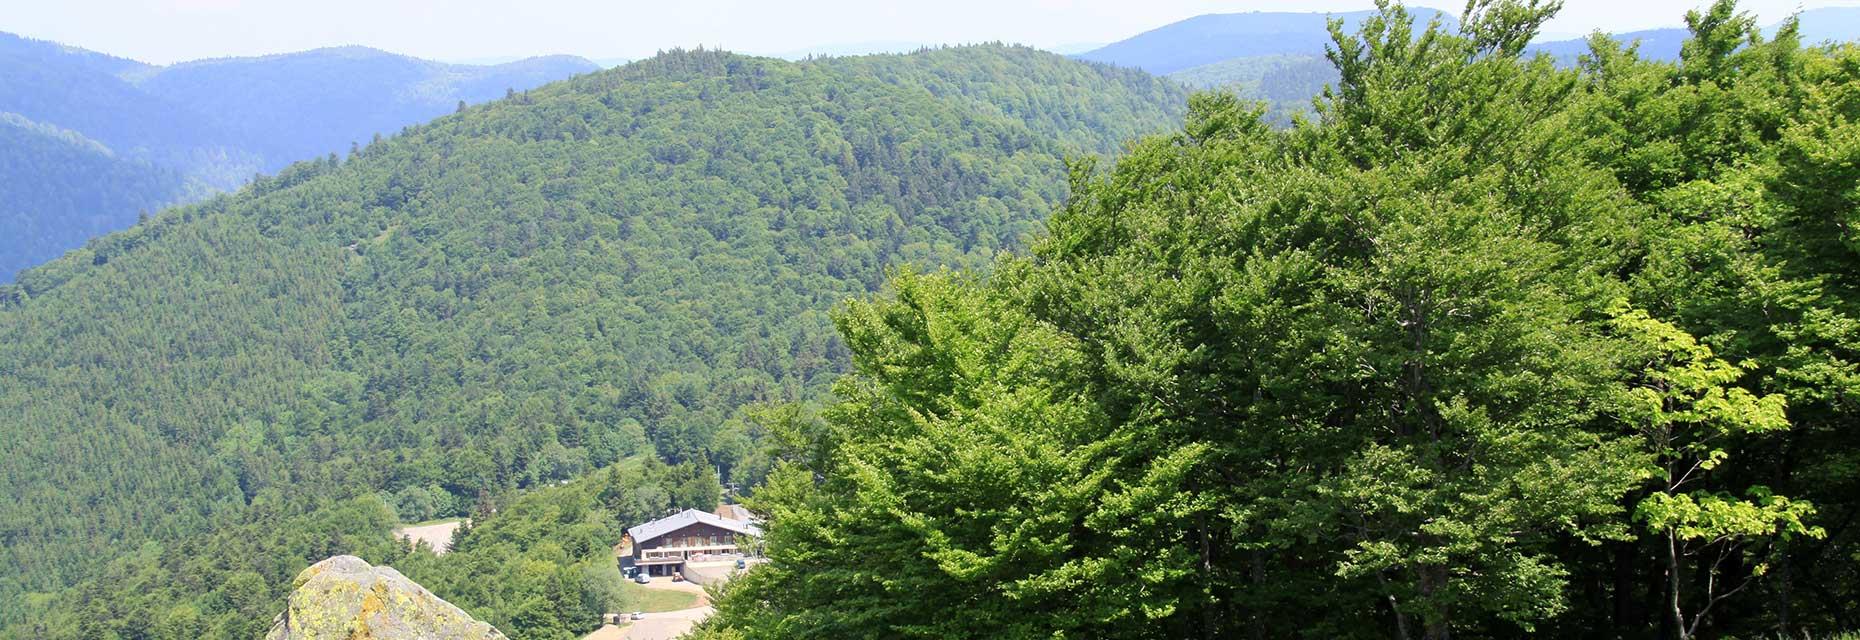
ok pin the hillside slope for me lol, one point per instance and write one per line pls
(518, 293)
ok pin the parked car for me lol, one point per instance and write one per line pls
(742, 564)
(642, 578)
(639, 615)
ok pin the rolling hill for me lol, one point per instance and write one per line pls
(507, 297)
(214, 123)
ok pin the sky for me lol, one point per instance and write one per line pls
(167, 31)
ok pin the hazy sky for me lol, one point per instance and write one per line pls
(163, 31)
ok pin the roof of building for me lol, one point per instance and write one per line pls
(687, 518)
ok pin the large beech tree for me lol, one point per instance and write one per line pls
(1489, 347)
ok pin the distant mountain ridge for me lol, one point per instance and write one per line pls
(299, 105)
(1215, 37)
(1826, 24)
(1198, 48)
(171, 134)
(1287, 68)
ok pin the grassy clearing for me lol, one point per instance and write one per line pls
(656, 600)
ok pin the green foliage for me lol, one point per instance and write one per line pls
(1489, 347)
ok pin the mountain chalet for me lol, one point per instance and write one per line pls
(663, 546)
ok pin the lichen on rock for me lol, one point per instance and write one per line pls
(345, 598)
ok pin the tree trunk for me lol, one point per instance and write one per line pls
(1678, 617)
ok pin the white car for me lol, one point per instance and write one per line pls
(639, 615)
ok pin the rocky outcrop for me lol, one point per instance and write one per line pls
(345, 598)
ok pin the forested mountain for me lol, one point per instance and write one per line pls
(1576, 354)
(1215, 37)
(510, 296)
(206, 125)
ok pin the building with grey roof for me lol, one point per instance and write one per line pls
(663, 546)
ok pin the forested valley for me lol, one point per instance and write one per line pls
(618, 267)
(1484, 342)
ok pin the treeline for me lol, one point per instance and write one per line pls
(512, 296)
(1488, 349)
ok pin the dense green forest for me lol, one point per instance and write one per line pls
(1489, 348)
(160, 135)
(515, 295)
